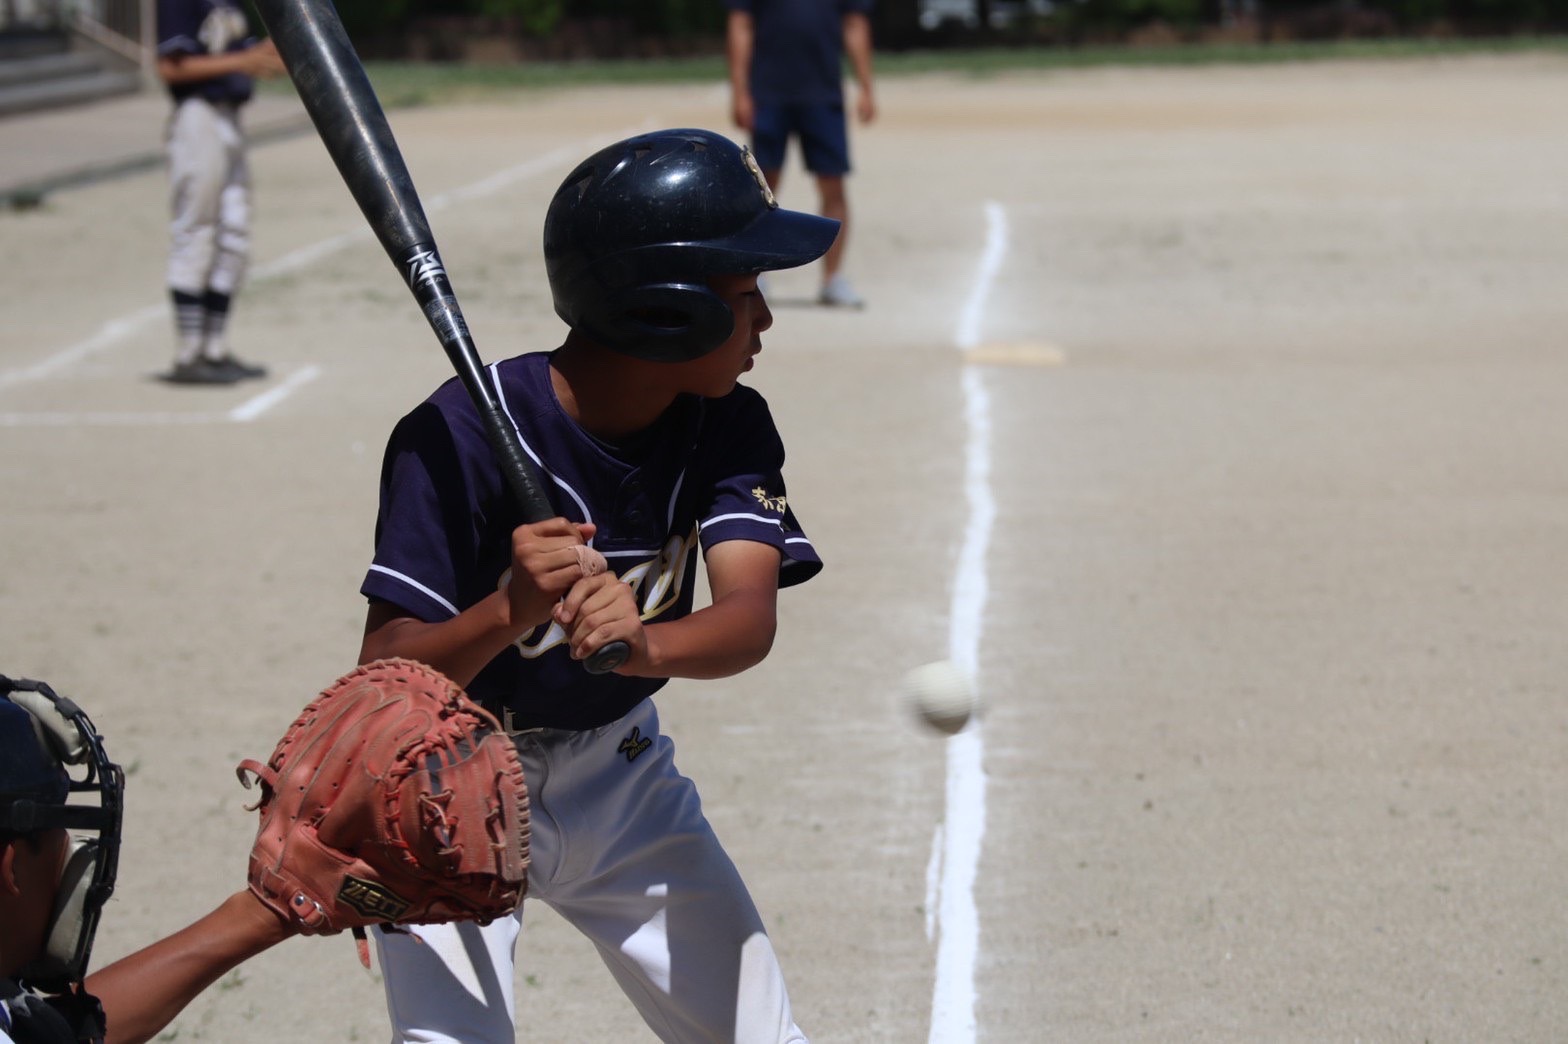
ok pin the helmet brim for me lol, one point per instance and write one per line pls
(778, 239)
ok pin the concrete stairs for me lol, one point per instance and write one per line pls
(51, 70)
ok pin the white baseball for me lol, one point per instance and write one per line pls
(941, 694)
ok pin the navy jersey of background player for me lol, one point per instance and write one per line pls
(709, 470)
(206, 27)
(799, 51)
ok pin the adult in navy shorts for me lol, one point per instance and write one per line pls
(209, 61)
(786, 80)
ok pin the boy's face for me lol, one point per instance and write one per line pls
(30, 872)
(714, 375)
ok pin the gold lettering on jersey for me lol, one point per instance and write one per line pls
(656, 584)
(658, 581)
(772, 503)
(371, 900)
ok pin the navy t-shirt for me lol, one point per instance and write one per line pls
(798, 48)
(709, 470)
(187, 27)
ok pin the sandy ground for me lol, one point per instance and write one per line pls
(1272, 654)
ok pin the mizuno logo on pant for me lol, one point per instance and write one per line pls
(634, 744)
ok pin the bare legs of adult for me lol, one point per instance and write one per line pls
(832, 202)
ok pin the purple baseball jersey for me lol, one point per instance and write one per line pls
(189, 27)
(708, 471)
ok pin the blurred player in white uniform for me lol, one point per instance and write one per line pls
(209, 60)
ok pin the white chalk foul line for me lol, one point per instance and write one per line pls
(962, 832)
(485, 186)
(972, 319)
(255, 406)
(933, 882)
(109, 333)
(245, 412)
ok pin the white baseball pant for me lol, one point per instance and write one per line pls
(209, 198)
(620, 848)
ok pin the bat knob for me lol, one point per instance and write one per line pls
(607, 658)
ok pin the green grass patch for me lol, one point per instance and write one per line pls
(425, 83)
(991, 62)
(400, 84)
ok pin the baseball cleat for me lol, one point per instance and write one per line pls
(241, 369)
(201, 371)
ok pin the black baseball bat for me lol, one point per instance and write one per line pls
(337, 94)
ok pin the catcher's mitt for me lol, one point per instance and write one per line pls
(393, 798)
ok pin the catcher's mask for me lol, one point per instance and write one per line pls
(635, 232)
(41, 733)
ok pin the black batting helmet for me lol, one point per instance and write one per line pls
(636, 230)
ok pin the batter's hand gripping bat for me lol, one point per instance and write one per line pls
(342, 104)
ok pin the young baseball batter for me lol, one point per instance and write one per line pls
(653, 454)
(209, 60)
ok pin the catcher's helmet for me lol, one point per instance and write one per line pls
(41, 733)
(28, 772)
(636, 230)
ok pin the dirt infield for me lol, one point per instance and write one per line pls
(1271, 367)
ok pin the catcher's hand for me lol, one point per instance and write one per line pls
(393, 798)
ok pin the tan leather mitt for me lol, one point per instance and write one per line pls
(393, 798)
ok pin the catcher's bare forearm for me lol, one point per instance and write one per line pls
(143, 992)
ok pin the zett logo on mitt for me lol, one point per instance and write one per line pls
(371, 900)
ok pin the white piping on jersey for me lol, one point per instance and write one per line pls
(495, 379)
(669, 516)
(755, 518)
(416, 585)
(743, 515)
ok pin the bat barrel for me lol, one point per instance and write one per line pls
(337, 94)
(342, 104)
